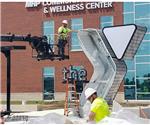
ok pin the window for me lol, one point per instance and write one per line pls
(137, 79)
(140, 59)
(130, 64)
(142, 11)
(79, 74)
(144, 49)
(106, 21)
(129, 92)
(147, 37)
(128, 18)
(130, 78)
(143, 85)
(76, 24)
(144, 22)
(79, 84)
(128, 12)
(139, 3)
(142, 70)
(48, 79)
(143, 96)
(128, 7)
(48, 30)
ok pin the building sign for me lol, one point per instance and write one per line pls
(73, 73)
(113, 35)
(32, 4)
(57, 7)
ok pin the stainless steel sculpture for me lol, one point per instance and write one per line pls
(106, 49)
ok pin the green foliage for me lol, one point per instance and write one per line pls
(12, 102)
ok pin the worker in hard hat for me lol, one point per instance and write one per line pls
(99, 107)
(62, 40)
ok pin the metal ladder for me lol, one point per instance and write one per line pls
(71, 99)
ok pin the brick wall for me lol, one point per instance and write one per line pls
(27, 72)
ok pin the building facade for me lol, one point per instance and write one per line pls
(36, 80)
(137, 81)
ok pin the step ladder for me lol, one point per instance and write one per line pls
(71, 99)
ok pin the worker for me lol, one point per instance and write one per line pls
(2, 121)
(62, 40)
(99, 107)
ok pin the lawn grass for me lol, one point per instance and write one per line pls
(12, 102)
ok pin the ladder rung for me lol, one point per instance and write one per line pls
(73, 104)
(73, 98)
(73, 101)
(71, 91)
(71, 85)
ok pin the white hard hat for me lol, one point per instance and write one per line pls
(65, 21)
(89, 92)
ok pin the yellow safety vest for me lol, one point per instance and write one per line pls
(100, 108)
(62, 31)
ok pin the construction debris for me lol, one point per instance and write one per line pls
(119, 115)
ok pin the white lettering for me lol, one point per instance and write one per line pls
(95, 5)
(59, 8)
(87, 6)
(81, 6)
(55, 3)
(65, 8)
(45, 10)
(109, 4)
(74, 7)
(105, 5)
(92, 5)
(55, 7)
(46, 3)
(32, 4)
(52, 9)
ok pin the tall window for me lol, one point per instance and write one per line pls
(48, 79)
(106, 21)
(137, 80)
(79, 84)
(76, 24)
(48, 30)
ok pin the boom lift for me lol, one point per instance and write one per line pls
(41, 45)
(6, 50)
(43, 49)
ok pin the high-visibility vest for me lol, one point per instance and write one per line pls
(100, 108)
(62, 31)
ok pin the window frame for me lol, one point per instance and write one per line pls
(106, 22)
(136, 63)
(49, 38)
(136, 14)
(71, 48)
(53, 74)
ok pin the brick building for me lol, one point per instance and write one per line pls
(31, 79)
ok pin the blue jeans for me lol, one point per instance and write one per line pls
(61, 47)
